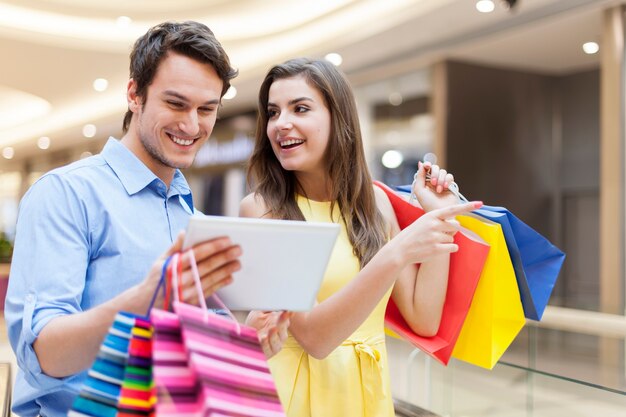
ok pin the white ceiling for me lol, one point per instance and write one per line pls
(52, 50)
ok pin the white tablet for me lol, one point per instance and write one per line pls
(283, 261)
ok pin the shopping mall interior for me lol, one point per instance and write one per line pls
(523, 100)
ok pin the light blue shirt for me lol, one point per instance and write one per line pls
(85, 233)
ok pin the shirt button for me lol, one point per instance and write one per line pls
(30, 298)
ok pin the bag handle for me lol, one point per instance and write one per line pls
(159, 285)
(453, 188)
(196, 278)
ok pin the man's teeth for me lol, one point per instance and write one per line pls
(291, 142)
(184, 142)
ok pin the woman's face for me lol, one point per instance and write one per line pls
(298, 125)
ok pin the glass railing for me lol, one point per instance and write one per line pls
(546, 372)
(464, 390)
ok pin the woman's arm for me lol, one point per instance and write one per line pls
(330, 322)
(420, 291)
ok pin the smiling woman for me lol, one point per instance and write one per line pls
(298, 124)
(309, 164)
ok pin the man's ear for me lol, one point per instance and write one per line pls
(134, 101)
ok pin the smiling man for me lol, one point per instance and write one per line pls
(173, 97)
(92, 236)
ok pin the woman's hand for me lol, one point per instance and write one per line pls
(435, 192)
(430, 235)
(272, 329)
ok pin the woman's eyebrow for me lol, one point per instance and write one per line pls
(292, 102)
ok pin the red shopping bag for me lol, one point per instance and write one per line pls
(465, 268)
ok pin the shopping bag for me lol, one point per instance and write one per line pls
(465, 268)
(230, 364)
(206, 364)
(176, 384)
(119, 383)
(536, 261)
(496, 315)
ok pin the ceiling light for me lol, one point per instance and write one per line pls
(485, 6)
(85, 154)
(8, 152)
(89, 131)
(334, 58)
(392, 159)
(230, 93)
(123, 21)
(43, 142)
(395, 99)
(100, 84)
(591, 48)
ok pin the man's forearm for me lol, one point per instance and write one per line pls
(69, 344)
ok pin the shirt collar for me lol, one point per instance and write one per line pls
(134, 174)
(179, 183)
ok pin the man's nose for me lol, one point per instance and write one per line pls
(189, 125)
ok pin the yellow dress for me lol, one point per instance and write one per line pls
(353, 381)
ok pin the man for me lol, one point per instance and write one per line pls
(88, 234)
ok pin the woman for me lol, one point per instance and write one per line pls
(309, 164)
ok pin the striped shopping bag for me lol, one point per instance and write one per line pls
(177, 387)
(206, 364)
(119, 383)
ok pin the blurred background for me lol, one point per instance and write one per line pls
(522, 100)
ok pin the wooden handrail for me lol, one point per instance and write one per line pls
(582, 321)
(5, 393)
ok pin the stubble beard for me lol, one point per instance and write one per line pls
(156, 154)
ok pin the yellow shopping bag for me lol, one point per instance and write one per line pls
(496, 315)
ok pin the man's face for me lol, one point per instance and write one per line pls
(177, 114)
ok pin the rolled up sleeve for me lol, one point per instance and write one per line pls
(48, 269)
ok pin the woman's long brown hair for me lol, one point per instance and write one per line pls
(350, 180)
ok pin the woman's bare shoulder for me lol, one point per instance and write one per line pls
(383, 204)
(253, 205)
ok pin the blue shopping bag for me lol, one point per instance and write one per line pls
(536, 261)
